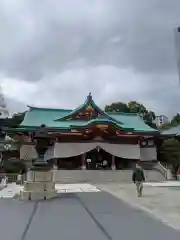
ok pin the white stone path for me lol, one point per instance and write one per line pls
(163, 184)
(70, 188)
(12, 189)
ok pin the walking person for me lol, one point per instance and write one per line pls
(178, 174)
(138, 178)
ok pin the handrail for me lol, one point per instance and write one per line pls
(162, 169)
(13, 177)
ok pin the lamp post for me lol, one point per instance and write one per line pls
(40, 184)
(42, 143)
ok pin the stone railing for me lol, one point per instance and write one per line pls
(157, 166)
(164, 171)
(10, 177)
(13, 177)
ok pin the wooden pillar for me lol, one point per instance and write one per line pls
(55, 164)
(83, 161)
(113, 165)
(1, 159)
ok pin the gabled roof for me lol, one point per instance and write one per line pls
(57, 119)
(35, 117)
(89, 103)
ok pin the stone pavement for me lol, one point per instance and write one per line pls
(79, 216)
(12, 189)
(161, 202)
(75, 188)
(163, 184)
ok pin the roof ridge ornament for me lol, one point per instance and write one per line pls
(89, 97)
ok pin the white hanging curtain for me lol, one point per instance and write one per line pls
(65, 150)
(122, 150)
(28, 152)
(49, 154)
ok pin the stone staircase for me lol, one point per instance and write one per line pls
(157, 166)
(99, 176)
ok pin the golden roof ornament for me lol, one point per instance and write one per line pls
(89, 108)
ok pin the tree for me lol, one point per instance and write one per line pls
(165, 126)
(133, 107)
(136, 107)
(16, 119)
(117, 107)
(175, 120)
(15, 166)
(170, 153)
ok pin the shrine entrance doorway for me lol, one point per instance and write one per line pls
(98, 159)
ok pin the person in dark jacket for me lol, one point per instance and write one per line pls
(138, 178)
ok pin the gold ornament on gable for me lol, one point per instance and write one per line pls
(102, 126)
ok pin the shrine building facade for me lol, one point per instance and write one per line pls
(87, 137)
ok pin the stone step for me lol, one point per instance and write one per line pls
(98, 176)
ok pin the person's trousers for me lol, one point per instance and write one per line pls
(139, 187)
(178, 177)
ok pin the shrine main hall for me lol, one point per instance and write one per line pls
(88, 137)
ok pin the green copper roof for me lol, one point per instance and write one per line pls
(35, 117)
(56, 118)
(132, 120)
(89, 102)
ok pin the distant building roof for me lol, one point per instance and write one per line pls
(173, 131)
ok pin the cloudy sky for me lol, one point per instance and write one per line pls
(54, 52)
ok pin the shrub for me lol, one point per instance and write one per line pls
(15, 166)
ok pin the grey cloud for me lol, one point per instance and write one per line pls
(46, 36)
(43, 39)
(15, 106)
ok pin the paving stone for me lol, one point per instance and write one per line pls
(162, 202)
(79, 216)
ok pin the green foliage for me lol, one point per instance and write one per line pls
(16, 120)
(173, 123)
(117, 107)
(175, 120)
(133, 107)
(170, 152)
(165, 126)
(14, 166)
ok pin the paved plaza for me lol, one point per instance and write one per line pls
(12, 189)
(82, 212)
(161, 200)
